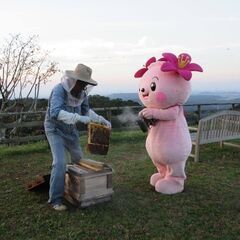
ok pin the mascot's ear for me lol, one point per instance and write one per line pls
(150, 60)
(140, 72)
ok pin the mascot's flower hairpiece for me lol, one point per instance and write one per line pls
(181, 64)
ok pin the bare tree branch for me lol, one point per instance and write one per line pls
(24, 68)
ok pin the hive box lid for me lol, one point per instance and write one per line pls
(86, 169)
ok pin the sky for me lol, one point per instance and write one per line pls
(115, 38)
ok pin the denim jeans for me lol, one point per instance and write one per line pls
(59, 147)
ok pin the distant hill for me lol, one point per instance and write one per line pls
(210, 97)
(195, 98)
(125, 96)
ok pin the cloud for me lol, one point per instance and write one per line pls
(101, 51)
(221, 19)
(74, 48)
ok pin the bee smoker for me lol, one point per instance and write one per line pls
(145, 124)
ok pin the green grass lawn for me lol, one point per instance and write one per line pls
(209, 208)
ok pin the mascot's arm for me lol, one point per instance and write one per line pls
(160, 114)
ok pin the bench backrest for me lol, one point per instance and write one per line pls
(221, 126)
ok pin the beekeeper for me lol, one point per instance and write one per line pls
(68, 105)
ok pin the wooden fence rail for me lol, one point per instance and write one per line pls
(37, 118)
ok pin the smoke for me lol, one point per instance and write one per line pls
(127, 116)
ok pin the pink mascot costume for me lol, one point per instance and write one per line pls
(164, 87)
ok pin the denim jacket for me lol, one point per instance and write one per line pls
(57, 102)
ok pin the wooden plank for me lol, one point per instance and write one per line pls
(96, 183)
(192, 128)
(22, 124)
(231, 144)
(23, 139)
(8, 114)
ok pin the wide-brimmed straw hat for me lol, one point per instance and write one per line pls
(82, 73)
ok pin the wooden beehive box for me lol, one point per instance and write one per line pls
(85, 187)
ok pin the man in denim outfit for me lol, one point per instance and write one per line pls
(68, 105)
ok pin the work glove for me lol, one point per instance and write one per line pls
(97, 118)
(102, 120)
(72, 118)
(83, 119)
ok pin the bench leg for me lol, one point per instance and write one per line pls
(196, 157)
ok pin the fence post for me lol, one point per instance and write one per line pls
(109, 114)
(199, 112)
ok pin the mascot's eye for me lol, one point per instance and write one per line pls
(153, 86)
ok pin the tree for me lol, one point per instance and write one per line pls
(98, 101)
(24, 68)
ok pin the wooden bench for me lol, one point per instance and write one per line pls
(218, 127)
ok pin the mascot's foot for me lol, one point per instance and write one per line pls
(154, 178)
(170, 185)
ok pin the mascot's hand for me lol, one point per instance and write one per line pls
(149, 113)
